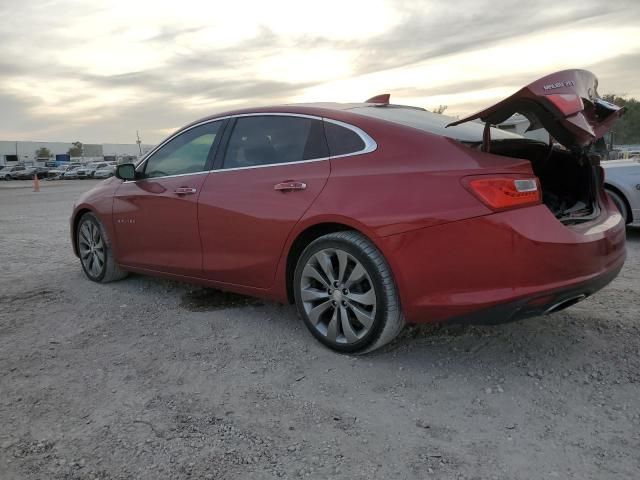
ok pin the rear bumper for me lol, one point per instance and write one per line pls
(542, 304)
(502, 267)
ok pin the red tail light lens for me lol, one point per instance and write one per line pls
(501, 193)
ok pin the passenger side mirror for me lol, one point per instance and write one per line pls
(126, 171)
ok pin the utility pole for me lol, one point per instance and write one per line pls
(139, 142)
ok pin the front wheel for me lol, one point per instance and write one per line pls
(345, 293)
(94, 249)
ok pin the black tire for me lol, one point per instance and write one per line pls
(388, 320)
(620, 203)
(108, 270)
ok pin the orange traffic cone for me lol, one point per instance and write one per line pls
(36, 183)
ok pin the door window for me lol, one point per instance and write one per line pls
(186, 153)
(275, 139)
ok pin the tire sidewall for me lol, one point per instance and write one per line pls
(90, 217)
(374, 274)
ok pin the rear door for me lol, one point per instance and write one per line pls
(273, 168)
(565, 103)
(156, 216)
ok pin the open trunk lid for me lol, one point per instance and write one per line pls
(565, 103)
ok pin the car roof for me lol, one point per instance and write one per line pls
(408, 116)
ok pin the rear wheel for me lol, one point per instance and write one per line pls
(620, 203)
(346, 295)
(95, 251)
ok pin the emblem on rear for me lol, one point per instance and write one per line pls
(567, 83)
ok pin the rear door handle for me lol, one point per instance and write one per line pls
(185, 191)
(290, 186)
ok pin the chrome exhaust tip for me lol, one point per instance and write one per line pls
(567, 302)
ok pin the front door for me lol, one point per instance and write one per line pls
(156, 216)
(273, 169)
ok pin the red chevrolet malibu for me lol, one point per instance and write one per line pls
(371, 215)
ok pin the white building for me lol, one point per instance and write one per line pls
(12, 152)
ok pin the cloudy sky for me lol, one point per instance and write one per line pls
(98, 71)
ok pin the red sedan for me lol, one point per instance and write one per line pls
(372, 215)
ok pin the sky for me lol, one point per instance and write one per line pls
(97, 71)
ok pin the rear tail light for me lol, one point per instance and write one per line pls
(501, 193)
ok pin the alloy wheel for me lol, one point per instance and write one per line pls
(338, 296)
(92, 248)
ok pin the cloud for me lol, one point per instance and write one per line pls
(95, 72)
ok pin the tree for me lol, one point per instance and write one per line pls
(76, 150)
(43, 152)
(627, 129)
(440, 109)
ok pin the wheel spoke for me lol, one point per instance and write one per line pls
(85, 234)
(316, 312)
(95, 233)
(357, 274)
(84, 253)
(313, 294)
(343, 260)
(332, 328)
(310, 271)
(324, 260)
(364, 317)
(368, 298)
(347, 328)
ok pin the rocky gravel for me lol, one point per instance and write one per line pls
(153, 379)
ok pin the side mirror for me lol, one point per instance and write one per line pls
(126, 171)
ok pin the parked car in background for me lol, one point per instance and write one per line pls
(105, 172)
(369, 215)
(71, 172)
(29, 172)
(6, 172)
(57, 172)
(622, 183)
(89, 169)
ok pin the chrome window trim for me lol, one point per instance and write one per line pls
(370, 144)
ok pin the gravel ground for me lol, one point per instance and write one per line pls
(153, 379)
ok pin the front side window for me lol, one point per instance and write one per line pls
(274, 139)
(187, 153)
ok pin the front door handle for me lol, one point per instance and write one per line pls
(290, 186)
(185, 191)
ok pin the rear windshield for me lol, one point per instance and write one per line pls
(432, 123)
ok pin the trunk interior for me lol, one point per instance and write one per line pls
(568, 180)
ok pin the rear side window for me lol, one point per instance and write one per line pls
(274, 139)
(342, 141)
(186, 153)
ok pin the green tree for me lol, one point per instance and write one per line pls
(627, 129)
(43, 152)
(76, 150)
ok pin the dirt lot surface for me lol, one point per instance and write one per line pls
(152, 379)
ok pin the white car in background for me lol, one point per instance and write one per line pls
(90, 168)
(622, 183)
(71, 172)
(105, 172)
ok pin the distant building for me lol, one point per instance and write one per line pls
(26, 152)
